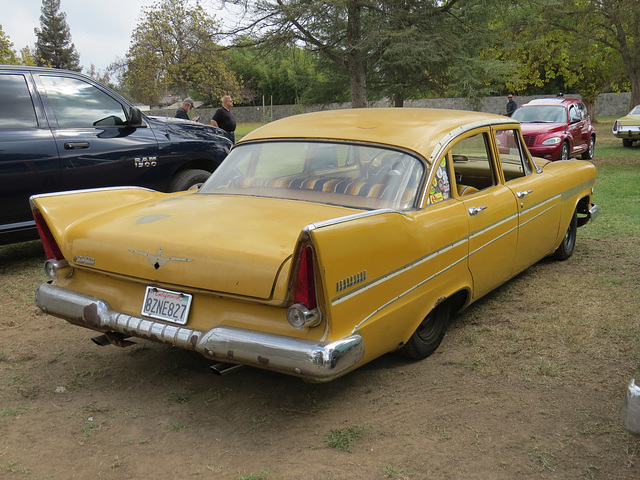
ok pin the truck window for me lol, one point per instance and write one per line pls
(19, 112)
(77, 103)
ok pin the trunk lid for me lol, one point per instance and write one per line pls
(226, 244)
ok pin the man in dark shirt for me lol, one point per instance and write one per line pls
(511, 105)
(182, 112)
(224, 119)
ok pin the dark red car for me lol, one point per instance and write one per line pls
(557, 128)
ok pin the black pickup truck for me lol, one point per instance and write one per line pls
(61, 130)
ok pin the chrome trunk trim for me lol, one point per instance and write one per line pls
(311, 360)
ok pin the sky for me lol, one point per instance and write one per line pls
(100, 29)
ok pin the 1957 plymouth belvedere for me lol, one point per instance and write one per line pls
(323, 241)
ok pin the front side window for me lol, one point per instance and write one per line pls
(359, 176)
(77, 103)
(17, 107)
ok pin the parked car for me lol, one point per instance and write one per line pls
(323, 241)
(61, 130)
(557, 128)
(628, 127)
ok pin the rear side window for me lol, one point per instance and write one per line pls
(77, 103)
(17, 107)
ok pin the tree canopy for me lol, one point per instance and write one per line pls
(7, 53)
(53, 39)
(173, 51)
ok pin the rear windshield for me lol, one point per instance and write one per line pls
(359, 176)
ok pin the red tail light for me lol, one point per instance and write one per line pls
(306, 287)
(51, 248)
(305, 312)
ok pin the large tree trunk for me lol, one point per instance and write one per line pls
(356, 57)
(358, 82)
(635, 88)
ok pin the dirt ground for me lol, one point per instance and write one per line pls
(528, 383)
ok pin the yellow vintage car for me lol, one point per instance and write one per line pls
(628, 127)
(322, 242)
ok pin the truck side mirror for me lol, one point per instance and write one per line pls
(135, 117)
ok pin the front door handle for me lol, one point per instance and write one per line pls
(476, 210)
(524, 193)
(76, 145)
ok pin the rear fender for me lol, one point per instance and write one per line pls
(61, 210)
(383, 273)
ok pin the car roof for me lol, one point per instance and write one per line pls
(417, 129)
(552, 101)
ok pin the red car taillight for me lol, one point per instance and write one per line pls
(306, 287)
(304, 312)
(51, 248)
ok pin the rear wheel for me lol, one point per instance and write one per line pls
(191, 179)
(626, 142)
(565, 250)
(429, 334)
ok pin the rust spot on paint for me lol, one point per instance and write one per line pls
(263, 361)
(194, 340)
(230, 353)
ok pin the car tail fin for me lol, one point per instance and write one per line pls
(51, 248)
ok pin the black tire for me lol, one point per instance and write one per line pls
(191, 179)
(588, 155)
(565, 250)
(626, 142)
(429, 334)
(565, 151)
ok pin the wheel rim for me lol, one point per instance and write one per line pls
(564, 154)
(592, 147)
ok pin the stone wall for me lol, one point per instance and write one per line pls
(607, 104)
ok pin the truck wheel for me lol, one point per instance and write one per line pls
(565, 250)
(191, 179)
(429, 334)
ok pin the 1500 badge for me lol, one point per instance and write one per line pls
(145, 162)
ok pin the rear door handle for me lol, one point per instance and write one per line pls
(76, 145)
(476, 210)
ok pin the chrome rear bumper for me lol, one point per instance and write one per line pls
(311, 360)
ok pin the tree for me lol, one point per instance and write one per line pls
(614, 25)
(402, 46)
(173, 49)
(53, 40)
(285, 74)
(7, 53)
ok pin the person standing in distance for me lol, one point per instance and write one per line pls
(224, 119)
(511, 105)
(183, 110)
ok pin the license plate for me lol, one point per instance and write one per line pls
(166, 305)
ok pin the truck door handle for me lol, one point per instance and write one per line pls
(75, 145)
(476, 210)
(524, 193)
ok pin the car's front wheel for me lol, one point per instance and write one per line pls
(588, 155)
(565, 250)
(191, 179)
(429, 334)
(564, 151)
